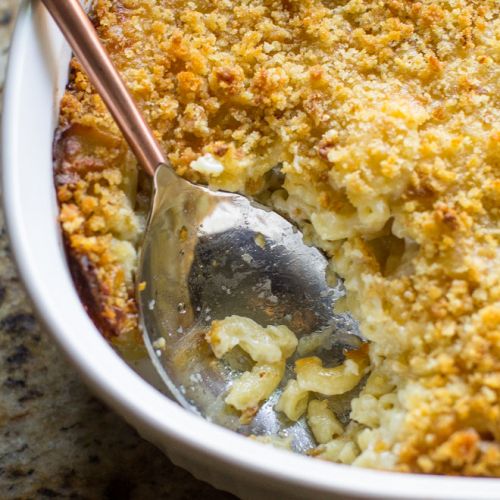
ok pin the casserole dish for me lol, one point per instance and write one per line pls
(226, 460)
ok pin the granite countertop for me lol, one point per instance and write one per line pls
(57, 440)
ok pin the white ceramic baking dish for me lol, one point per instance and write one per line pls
(36, 77)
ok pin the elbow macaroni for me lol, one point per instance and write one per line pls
(268, 347)
(263, 345)
(293, 401)
(370, 215)
(322, 421)
(313, 376)
(253, 387)
(341, 450)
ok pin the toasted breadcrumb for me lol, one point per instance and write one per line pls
(384, 119)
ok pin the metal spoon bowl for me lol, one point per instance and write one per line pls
(207, 255)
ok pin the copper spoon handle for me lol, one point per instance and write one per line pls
(83, 39)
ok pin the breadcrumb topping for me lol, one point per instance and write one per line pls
(383, 119)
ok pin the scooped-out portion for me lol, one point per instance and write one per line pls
(313, 390)
(375, 127)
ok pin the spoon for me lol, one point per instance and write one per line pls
(207, 255)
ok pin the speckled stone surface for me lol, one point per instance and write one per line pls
(56, 439)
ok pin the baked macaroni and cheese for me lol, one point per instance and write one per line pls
(382, 120)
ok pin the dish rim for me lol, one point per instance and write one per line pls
(161, 420)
